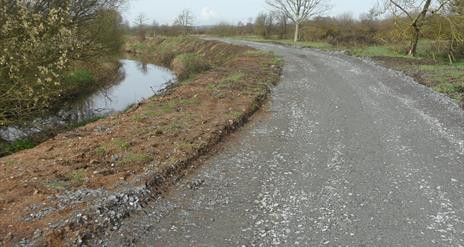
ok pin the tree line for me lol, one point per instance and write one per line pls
(398, 22)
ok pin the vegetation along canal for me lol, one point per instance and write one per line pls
(136, 81)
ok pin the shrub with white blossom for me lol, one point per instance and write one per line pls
(39, 40)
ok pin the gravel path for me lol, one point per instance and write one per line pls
(349, 154)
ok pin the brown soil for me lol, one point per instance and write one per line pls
(160, 136)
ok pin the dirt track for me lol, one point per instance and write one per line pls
(349, 154)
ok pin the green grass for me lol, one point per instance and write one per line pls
(120, 144)
(365, 51)
(459, 64)
(236, 115)
(185, 146)
(171, 128)
(449, 88)
(155, 110)
(447, 79)
(100, 151)
(454, 91)
(235, 77)
(135, 158)
(57, 185)
(139, 46)
(16, 146)
(228, 82)
(77, 177)
(79, 78)
(117, 145)
(375, 51)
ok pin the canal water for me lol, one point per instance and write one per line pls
(136, 81)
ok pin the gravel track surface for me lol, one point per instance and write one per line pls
(348, 154)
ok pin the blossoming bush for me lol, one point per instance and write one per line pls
(35, 51)
(40, 41)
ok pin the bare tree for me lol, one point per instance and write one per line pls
(299, 11)
(264, 24)
(416, 11)
(185, 20)
(455, 20)
(282, 25)
(141, 30)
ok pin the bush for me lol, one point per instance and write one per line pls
(40, 41)
(31, 62)
(186, 64)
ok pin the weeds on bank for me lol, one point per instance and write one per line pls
(171, 128)
(77, 177)
(57, 185)
(130, 158)
(115, 145)
(185, 147)
(236, 115)
(100, 151)
(120, 144)
(158, 109)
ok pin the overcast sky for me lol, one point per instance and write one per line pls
(213, 11)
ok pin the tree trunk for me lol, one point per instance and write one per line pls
(297, 32)
(417, 26)
(415, 40)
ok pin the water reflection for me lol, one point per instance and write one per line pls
(135, 82)
(143, 67)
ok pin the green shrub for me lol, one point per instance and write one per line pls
(186, 64)
(79, 78)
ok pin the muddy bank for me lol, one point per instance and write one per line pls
(88, 179)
